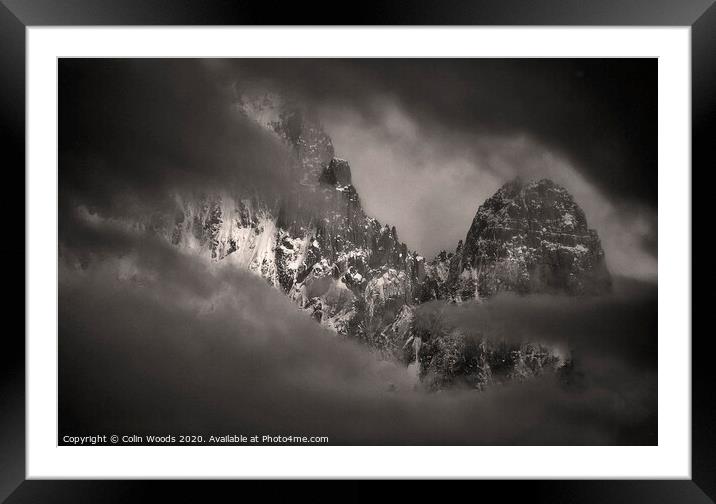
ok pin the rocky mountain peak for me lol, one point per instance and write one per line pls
(297, 126)
(336, 173)
(536, 205)
(529, 237)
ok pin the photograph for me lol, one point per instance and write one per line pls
(358, 251)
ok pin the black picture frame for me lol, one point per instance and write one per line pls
(17, 15)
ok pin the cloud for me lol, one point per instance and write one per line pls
(154, 340)
(598, 114)
(135, 131)
(621, 325)
(429, 180)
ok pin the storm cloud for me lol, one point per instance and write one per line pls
(134, 132)
(430, 140)
(598, 113)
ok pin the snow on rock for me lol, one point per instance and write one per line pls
(528, 237)
(351, 273)
(390, 285)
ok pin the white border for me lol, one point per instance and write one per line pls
(671, 459)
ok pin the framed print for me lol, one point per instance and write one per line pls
(456, 244)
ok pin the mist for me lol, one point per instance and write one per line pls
(429, 140)
(429, 183)
(135, 132)
(153, 340)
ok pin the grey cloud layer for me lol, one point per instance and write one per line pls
(425, 152)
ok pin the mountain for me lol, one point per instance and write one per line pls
(529, 237)
(354, 276)
(316, 244)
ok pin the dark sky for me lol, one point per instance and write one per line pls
(600, 113)
(428, 140)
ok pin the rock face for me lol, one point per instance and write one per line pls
(349, 271)
(353, 275)
(527, 238)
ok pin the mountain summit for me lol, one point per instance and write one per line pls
(529, 237)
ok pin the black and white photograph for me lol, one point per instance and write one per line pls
(357, 251)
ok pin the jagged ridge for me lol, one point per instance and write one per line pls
(354, 276)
